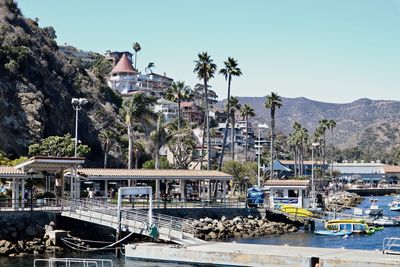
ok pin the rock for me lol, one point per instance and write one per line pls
(49, 243)
(7, 244)
(250, 217)
(223, 219)
(35, 252)
(208, 220)
(30, 231)
(237, 220)
(213, 235)
(4, 251)
(196, 223)
(2, 242)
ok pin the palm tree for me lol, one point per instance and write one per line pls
(205, 70)
(177, 92)
(231, 69)
(273, 102)
(107, 137)
(330, 125)
(246, 112)
(136, 47)
(323, 126)
(149, 67)
(137, 110)
(234, 106)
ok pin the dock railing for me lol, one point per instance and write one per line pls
(41, 204)
(68, 262)
(391, 245)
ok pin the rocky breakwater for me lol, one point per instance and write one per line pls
(36, 246)
(239, 227)
(342, 200)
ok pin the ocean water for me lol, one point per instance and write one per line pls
(301, 238)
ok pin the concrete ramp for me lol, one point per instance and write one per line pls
(169, 228)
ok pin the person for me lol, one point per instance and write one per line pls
(90, 193)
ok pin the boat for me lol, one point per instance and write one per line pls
(352, 225)
(395, 204)
(333, 233)
(386, 221)
(370, 231)
(374, 209)
(299, 212)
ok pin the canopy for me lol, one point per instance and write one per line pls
(278, 166)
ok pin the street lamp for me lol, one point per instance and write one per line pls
(313, 145)
(31, 173)
(77, 104)
(260, 126)
(246, 180)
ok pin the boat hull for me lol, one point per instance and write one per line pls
(332, 233)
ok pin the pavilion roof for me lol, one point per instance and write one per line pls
(11, 172)
(124, 65)
(145, 174)
(287, 183)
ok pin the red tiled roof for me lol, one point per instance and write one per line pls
(124, 65)
(287, 183)
(391, 169)
(187, 104)
(306, 162)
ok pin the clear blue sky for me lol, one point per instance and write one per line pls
(333, 51)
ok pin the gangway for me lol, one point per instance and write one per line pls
(170, 228)
(69, 262)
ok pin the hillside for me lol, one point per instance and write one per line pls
(369, 124)
(37, 84)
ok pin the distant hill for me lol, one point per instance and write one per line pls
(368, 124)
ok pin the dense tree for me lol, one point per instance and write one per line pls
(273, 102)
(58, 146)
(205, 70)
(176, 93)
(231, 69)
(137, 110)
(247, 112)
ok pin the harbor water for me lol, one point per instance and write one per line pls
(301, 238)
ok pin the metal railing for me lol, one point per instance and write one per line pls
(68, 262)
(9, 204)
(107, 213)
(390, 244)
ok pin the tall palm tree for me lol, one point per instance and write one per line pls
(323, 126)
(205, 70)
(137, 110)
(273, 102)
(247, 112)
(231, 69)
(234, 106)
(107, 137)
(177, 92)
(330, 125)
(150, 67)
(136, 47)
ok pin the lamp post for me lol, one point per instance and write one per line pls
(77, 104)
(245, 179)
(31, 173)
(260, 126)
(313, 145)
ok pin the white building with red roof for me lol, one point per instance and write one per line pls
(126, 80)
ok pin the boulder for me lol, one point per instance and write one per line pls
(223, 219)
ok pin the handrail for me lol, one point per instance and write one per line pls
(68, 261)
(133, 214)
(389, 243)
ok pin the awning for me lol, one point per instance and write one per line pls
(278, 166)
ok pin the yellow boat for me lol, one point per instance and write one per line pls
(299, 212)
(353, 225)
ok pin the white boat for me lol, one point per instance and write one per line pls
(395, 204)
(374, 209)
(386, 221)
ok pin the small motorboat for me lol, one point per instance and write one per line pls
(386, 221)
(374, 209)
(395, 204)
(332, 233)
(350, 225)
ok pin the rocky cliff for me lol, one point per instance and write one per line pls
(37, 84)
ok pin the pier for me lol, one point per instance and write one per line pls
(235, 254)
(374, 191)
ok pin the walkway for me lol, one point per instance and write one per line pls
(169, 228)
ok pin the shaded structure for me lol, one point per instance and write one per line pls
(292, 192)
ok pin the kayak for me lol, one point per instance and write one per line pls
(332, 233)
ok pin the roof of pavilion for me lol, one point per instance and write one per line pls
(144, 174)
(49, 164)
(279, 183)
(124, 65)
(11, 172)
